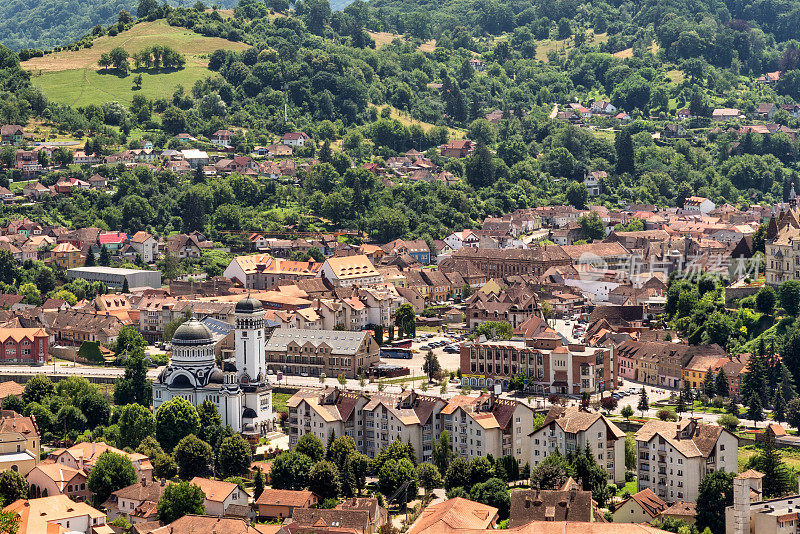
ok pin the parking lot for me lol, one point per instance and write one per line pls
(420, 347)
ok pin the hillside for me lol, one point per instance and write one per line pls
(47, 23)
(71, 77)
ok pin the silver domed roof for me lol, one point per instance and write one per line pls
(192, 332)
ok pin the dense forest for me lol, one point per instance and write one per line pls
(343, 89)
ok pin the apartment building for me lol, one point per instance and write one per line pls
(572, 429)
(372, 421)
(673, 457)
(24, 345)
(262, 271)
(550, 366)
(317, 352)
(479, 426)
(661, 363)
(349, 271)
(20, 445)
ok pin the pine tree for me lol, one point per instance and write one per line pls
(644, 404)
(721, 384)
(624, 147)
(754, 409)
(681, 407)
(90, 259)
(708, 385)
(786, 383)
(687, 392)
(105, 257)
(258, 484)
(779, 406)
(328, 452)
(125, 287)
(776, 481)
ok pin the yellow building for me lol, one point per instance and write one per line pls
(19, 442)
(67, 256)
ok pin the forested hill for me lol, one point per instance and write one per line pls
(45, 24)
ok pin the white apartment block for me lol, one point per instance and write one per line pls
(673, 457)
(478, 426)
(571, 429)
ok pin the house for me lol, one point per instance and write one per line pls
(196, 524)
(622, 116)
(35, 190)
(137, 503)
(185, 137)
(464, 238)
(80, 157)
(641, 507)
(571, 429)
(684, 114)
(769, 78)
(792, 109)
(293, 139)
(67, 256)
(457, 148)
(9, 387)
(97, 182)
(221, 138)
(20, 445)
(335, 352)
(196, 158)
(85, 455)
(604, 107)
(766, 110)
(186, 246)
(673, 457)
(280, 504)
(11, 134)
(221, 495)
(50, 479)
(567, 504)
(417, 249)
(698, 204)
(58, 514)
(476, 64)
(351, 521)
(453, 515)
(30, 346)
(378, 515)
(348, 271)
(262, 271)
(145, 246)
(674, 131)
(724, 114)
(279, 150)
(594, 182)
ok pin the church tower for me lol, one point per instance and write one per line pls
(249, 338)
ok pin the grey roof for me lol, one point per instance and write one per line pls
(339, 341)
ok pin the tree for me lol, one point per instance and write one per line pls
(290, 470)
(179, 500)
(194, 457)
(134, 386)
(494, 330)
(709, 385)
(175, 419)
(145, 7)
(258, 484)
(90, 259)
(721, 384)
(13, 403)
(210, 422)
(754, 409)
(135, 424)
(593, 476)
(765, 300)
(609, 404)
(324, 480)
(13, 486)
(577, 195)
(458, 473)
(728, 422)
(479, 167)
(592, 228)
(111, 472)
(96, 410)
(431, 366)
(37, 389)
(643, 405)
(405, 320)
(627, 412)
(779, 406)
(480, 470)
(395, 474)
(793, 412)
(234, 457)
(623, 144)
(789, 297)
(493, 492)
(714, 494)
(69, 418)
(429, 476)
(311, 446)
(442, 452)
(777, 480)
(552, 472)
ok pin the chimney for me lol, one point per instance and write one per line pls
(741, 506)
(573, 491)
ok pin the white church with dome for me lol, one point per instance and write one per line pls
(239, 389)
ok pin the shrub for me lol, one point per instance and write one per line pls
(666, 414)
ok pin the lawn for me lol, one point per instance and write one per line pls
(407, 120)
(279, 402)
(81, 87)
(545, 46)
(630, 487)
(71, 77)
(791, 457)
(383, 38)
